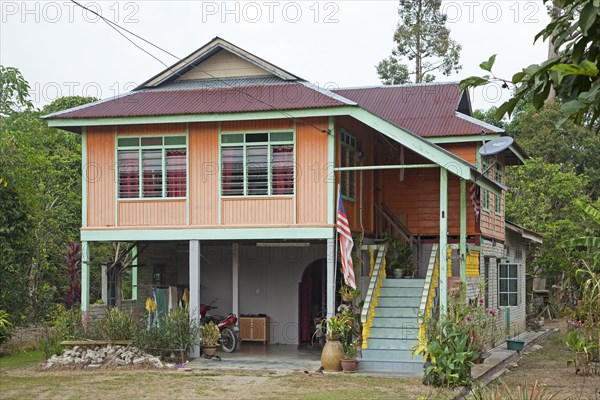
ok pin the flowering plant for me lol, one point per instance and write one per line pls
(482, 323)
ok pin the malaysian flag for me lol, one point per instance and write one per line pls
(346, 243)
(474, 196)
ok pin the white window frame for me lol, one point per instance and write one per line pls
(244, 145)
(508, 279)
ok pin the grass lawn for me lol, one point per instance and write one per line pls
(22, 378)
(548, 366)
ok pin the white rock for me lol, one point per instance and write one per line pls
(170, 365)
(118, 361)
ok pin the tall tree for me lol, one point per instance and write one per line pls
(423, 40)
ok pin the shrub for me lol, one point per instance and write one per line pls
(68, 324)
(115, 325)
(5, 325)
(49, 342)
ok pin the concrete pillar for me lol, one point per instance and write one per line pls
(443, 241)
(463, 230)
(330, 278)
(235, 284)
(104, 279)
(195, 288)
(85, 282)
(134, 274)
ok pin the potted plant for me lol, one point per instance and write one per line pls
(336, 326)
(209, 335)
(348, 294)
(399, 258)
(349, 362)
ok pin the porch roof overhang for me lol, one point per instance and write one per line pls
(525, 233)
(411, 141)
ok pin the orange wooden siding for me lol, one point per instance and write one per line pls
(262, 211)
(417, 199)
(366, 138)
(467, 151)
(257, 125)
(204, 173)
(101, 176)
(152, 213)
(311, 178)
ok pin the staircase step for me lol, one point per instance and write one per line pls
(401, 291)
(405, 368)
(389, 355)
(407, 343)
(396, 311)
(402, 301)
(407, 331)
(404, 283)
(390, 322)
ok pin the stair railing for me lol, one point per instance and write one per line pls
(428, 294)
(397, 225)
(377, 275)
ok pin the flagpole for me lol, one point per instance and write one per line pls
(335, 242)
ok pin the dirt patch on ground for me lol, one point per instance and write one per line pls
(138, 384)
(548, 366)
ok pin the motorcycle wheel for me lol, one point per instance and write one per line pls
(228, 340)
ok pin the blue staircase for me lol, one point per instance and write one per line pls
(395, 329)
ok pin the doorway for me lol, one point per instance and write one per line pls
(312, 299)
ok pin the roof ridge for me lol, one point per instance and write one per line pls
(404, 85)
(328, 93)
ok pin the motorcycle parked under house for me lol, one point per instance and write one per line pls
(230, 333)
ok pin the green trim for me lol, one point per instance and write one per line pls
(462, 139)
(171, 119)
(163, 154)
(269, 144)
(485, 200)
(84, 178)
(127, 235)
(421, 146)
(463, 230)
(378, 167)
(330, 178)
(520, 155)
(85, 276)
(443, 271)
(134, 274)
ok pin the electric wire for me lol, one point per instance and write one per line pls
(116, 27)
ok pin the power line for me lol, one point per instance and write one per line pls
(116, 27)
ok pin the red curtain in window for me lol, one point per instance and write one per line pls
(283, 170)
(176, 173)
(129, 174)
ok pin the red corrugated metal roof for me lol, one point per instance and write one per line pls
(428, 110)
(206, 100)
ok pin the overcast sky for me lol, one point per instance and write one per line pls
(62, 50)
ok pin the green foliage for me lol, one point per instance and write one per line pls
(49, 343)
(422, 39)
(14, 91)
(350, 348)
(209, 334)
(572, 73)
(452, 354)
(398, 255)
(574, 147)
(40, 201)
(591, 243)
(67, 323)
(5, 325)
(115, 325)
(542, 198)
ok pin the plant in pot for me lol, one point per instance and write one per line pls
(348, 294)
(209, 335)
(349, 362)
(399, 258)
(336, 327)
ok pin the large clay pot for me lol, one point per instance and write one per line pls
(331, 357)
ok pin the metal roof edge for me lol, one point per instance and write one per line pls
(524, 232)
(329, 93)
(83, 106)
(479, 122)
(404, 85)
